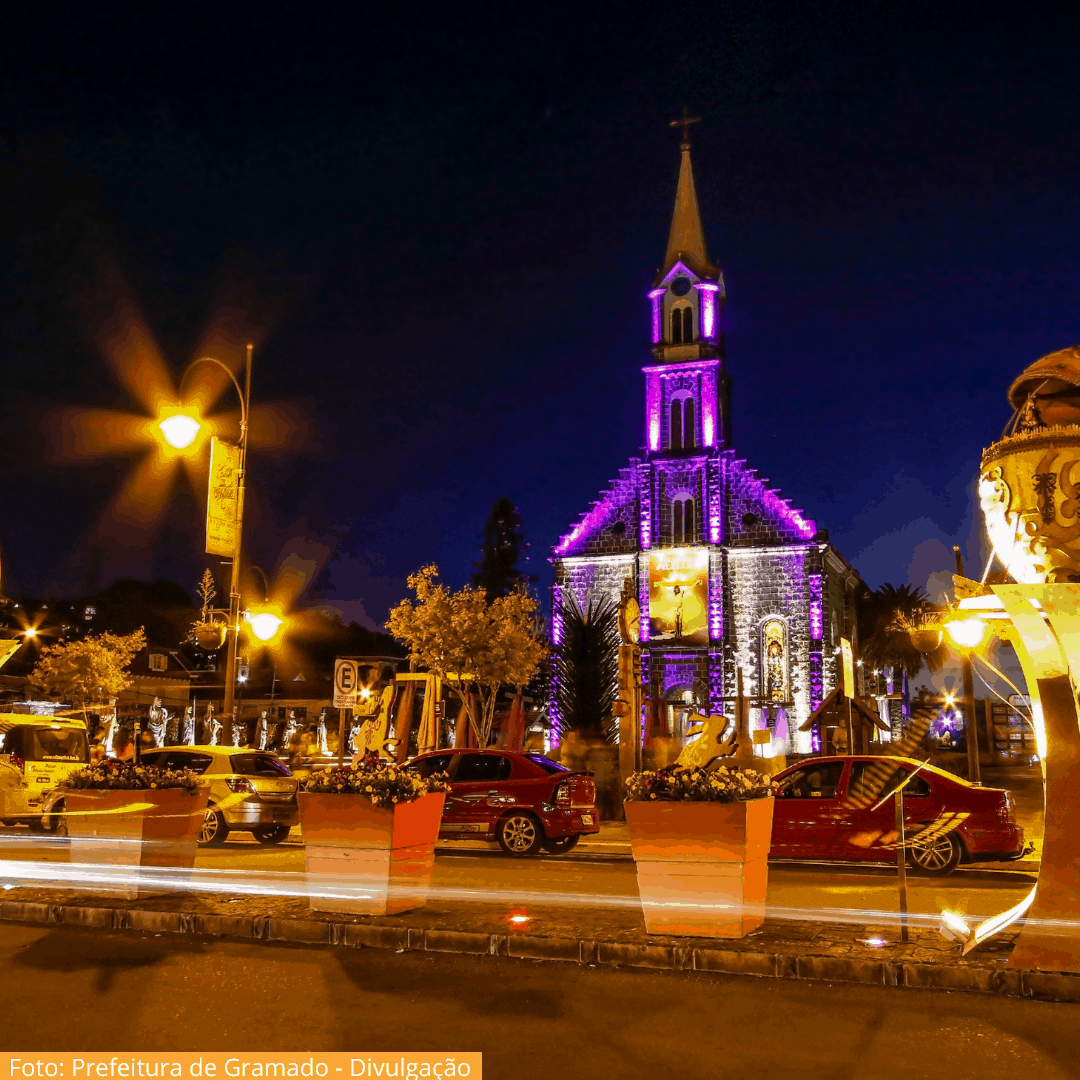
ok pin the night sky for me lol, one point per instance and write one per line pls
(441, 225)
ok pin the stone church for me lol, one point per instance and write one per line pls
(737, 589)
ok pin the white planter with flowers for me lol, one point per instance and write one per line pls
(124, 818)
(369, 838)
(701, 846)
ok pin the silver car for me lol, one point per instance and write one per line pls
(250, 790)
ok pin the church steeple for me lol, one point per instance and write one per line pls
(686, 240)
(688, 392)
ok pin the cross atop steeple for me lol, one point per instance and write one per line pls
(685, 123)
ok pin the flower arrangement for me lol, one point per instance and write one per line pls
(112, 775)
(383, 782)
(678, 783)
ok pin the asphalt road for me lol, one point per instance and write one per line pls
(71, 990)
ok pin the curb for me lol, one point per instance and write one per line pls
(1007, 982)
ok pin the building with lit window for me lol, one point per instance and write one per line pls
(734, 583)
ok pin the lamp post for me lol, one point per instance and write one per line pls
(179, 431)
(971, 730)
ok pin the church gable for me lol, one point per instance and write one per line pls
(758, 514)
(609, 526)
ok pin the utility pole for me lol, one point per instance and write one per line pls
(971, 730)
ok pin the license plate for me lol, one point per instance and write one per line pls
(586, 819)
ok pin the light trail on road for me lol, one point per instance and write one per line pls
(106, 878)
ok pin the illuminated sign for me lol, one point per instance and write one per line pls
(679, 596)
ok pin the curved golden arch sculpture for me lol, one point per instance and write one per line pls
(1042, 622)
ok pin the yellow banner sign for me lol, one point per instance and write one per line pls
(223, 507)
(849, 668)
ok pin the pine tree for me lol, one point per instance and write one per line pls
(504, 547)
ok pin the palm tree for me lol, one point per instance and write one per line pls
(885, 618)
(585, 666)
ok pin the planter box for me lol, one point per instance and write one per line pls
(362, 860)
(132, 829)
(702, 867)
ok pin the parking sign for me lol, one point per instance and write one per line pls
(344, 684)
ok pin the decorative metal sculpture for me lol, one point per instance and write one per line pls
(709, 738)
(112, 729)
(187, 735)
(236, 734)
(323, 748)
(292, 729)
(212, 726)
(262, 730)
(158, 723)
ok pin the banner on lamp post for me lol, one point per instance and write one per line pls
(849, 668)
(223, 499)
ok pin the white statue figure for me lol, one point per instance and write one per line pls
(187, 736)
(262, 729)
(291, 730)
(112, 729)
(353, 744)
(159, 719)
(323, 748)
(236, 733)
(212, 726)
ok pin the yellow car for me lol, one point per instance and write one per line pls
(44, 750)
(250, 790)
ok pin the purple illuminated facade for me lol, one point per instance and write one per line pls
(778, 596)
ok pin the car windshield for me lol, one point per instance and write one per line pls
(546, 764)
(56, 744)
(258, 765)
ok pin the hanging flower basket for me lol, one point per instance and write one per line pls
(369, 838)
(210, 636)
(122, 817)
(701, 846)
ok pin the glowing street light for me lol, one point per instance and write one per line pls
(30, 632)
(179, 430)
(264, 624)
(967, 633)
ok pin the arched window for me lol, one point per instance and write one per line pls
(682, 326)
(682, 519)
(774, 660)
(682, 435)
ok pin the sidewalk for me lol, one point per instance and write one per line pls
(584, 933)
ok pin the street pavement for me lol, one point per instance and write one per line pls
(75, 990)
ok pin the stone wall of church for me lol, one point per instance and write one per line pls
(589, 578)
(764, 583)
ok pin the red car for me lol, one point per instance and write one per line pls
(824, 810)
(523, 801)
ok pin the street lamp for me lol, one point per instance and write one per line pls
(179, 430)
(264, 624)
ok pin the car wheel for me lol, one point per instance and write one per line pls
(36, 823)
(214, 830)
(270, 834)
(520, 834)
(936, 858)
(10, 822)
(58, 818)
(562, 844)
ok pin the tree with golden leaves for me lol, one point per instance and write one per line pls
(470, 643)
(92, 671)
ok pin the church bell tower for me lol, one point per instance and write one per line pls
(687, 301)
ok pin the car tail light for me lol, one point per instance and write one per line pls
(241, 786)
(1006, 808)
(562, 795)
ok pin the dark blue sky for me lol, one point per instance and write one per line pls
(447, 222)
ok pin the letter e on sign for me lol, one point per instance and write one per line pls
(344, 684)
